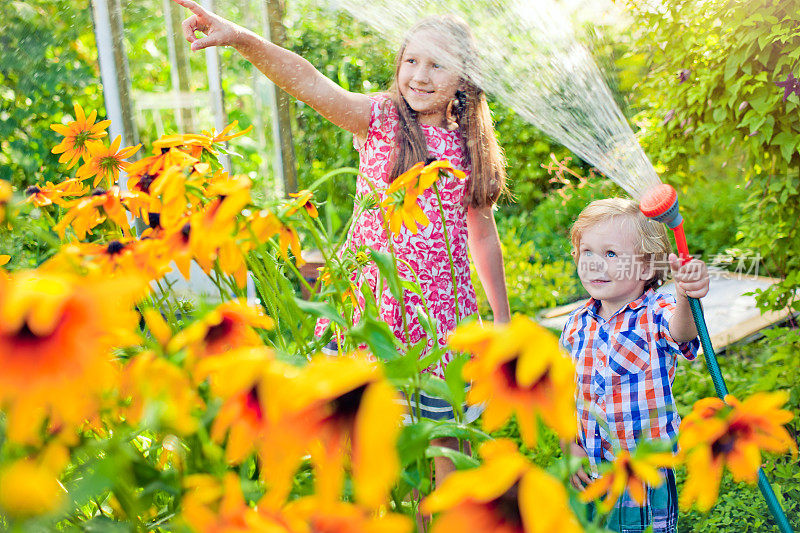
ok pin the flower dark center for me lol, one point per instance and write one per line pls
(164, 151)
(154, 220)
(509, 371)
(186, 230)
(25, 334)
(346, 406)
(724, 445)
(33, 189)
(253, 402)
(114, 247)
(507, 507)
(219, 331)
(98, 191)
(145, 181)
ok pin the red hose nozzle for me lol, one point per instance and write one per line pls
(661, 203)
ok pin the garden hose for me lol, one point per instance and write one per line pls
(660, 203)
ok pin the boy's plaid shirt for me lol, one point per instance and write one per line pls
(624, 372)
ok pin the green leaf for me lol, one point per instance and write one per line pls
(460, 460)
(455, 381)
(377, 336)
(387, 268)
(320, 309)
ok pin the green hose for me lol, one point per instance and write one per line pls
(722, 390)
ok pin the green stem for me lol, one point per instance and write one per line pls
(449, 251)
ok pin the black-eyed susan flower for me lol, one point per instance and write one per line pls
(634, 473)
(431, 172)
(225, 135)
(77, 135)
(6, 192)
(731, 433)
(210, 505)
(348, 400)
(257, 414)
(163, 391)
(85, 213)
(518, 369)
(302, 199)
(30, 487)
(339, 517)
(403, 210)
(228, 326)
(506, 494)
(104, 163)
(43, 195)
(56, 336)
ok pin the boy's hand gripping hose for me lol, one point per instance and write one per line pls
(661, 204)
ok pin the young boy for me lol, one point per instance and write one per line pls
(625, 342)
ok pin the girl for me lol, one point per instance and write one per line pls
(434, 110)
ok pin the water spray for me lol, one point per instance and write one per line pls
(660, 203)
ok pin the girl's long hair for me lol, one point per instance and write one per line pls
(484, 156)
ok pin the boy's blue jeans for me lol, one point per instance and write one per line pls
(660, 511)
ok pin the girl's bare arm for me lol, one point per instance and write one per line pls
(286, 69)
(484, 246)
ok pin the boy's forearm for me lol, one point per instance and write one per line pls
(681, 326)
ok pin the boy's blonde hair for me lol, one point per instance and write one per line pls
(652, 240)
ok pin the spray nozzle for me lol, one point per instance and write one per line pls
(661, 203)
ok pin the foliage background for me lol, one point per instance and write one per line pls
(725, 136)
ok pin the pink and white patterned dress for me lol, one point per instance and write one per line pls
(425, 251)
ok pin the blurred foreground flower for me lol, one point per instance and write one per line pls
(351, 406)
(518, 369)
(731, 433)
(29, 487)
(632, 473)
(506, 494)
(42, 195)
(77, 135)
(56, 336)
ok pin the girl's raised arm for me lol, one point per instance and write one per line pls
(286, 69)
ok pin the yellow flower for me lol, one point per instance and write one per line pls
(429, 174)
(225, 135)
(56, 336)
(5, 196)
(408, 180)
(506, 494)
(54, 194)
(230, 325)
(715, 435)
(104, 163)
(303, 199)
(209, 506)
(404, 211)
(518, 369)
(352, 402)
(86, 213)
(4, 259)
(632, 473)
(28, 489)
(163, 391)
(257, 414)
(339, 517)
(77, 135)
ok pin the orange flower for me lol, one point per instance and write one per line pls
(404, 211)
(351, 401)
(105, 163)
(41, 196)
(30, 487)
(209, 506)
(225, 135)
(163, 391)
(230, 325)
(632, 473)
(77, 135)
(56, 336)
(518, 369)
(257, 414)
(715, 435)
(429, 174)
(506, 494)
(303, 199)
(5, 196)
(86, 213)
(340, 517)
